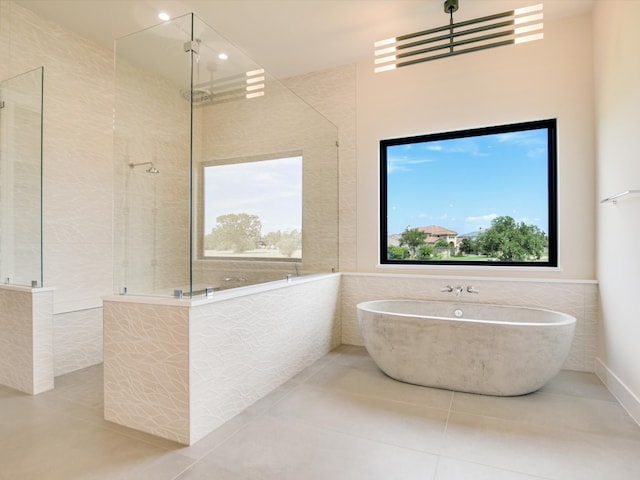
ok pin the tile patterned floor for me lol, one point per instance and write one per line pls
(339, 419)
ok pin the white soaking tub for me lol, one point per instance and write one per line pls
(475, 348)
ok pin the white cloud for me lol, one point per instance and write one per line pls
(482, 218)
(403, 164)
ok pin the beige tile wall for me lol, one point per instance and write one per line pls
(333, 94)
(242, 349)
(178, 370)
(280, 123)
(26, 339)
(77, 151)
(77, 340)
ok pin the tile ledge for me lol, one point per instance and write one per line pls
(20, 288)
(220, 295)
(471, 278)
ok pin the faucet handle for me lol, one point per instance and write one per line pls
(447, 289)
(470, 289)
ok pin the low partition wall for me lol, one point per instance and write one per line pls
(578, 298)
(26, 338)
(77, 340)
(178, 369)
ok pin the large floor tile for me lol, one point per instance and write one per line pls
(218, 436)
(277, 449)
(341, 418)
(21, 413)
(554, 453)
(311, 369)
(82, 386)
(67, 405)
(369, 380)
(397, 423)
(352, 356)
(450, 469)
(68, 449)
(578, 384)
(542, 409)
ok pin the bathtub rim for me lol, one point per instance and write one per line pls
(567, 319)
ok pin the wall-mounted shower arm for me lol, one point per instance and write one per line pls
(133, 165)
(151, 169)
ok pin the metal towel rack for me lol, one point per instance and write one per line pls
(614, 198)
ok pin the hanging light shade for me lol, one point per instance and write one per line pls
(507, 28)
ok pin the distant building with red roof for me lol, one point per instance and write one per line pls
(435, 233)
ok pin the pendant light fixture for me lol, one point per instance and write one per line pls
(507, 28)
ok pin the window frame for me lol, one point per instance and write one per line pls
(552, 192)
(202, 206)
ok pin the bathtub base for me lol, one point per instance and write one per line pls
(498, 358)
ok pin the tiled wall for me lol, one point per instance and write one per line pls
(77, 340)
(281, 124)
(333, 94)
(77, 152)
(77, 167)
(579, 298)
(26, 339)
(179, 370)
(241, 349)
(146, 368)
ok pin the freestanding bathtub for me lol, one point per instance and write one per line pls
(475, 348)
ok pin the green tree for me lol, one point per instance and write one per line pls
(425, 252)
(397, 253)
(235, 231)
(510, 241)
(271, 239)
(441, 243)
(468, 246)
(289, 242)
(412, 238)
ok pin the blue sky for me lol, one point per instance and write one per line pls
(270, 189)
(463, 184)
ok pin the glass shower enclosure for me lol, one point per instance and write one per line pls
(21, 179)
(223, 176)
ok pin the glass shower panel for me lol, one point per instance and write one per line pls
(152, 159)
(21, 179)
(259, 122)
(187, 100)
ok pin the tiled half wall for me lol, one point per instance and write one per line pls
(77, 340)
(26, 338)
(179, 369)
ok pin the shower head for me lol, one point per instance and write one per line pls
(197, 96)
(151, 169)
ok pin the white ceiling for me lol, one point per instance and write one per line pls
(286, 37)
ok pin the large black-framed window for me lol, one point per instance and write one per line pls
(483, 196)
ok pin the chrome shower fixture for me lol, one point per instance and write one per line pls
(237, 86)
(246, 85)
(151, 169)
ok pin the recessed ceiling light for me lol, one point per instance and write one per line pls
(223, 56)
(164, 16)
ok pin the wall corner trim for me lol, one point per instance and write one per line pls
(629, 400)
